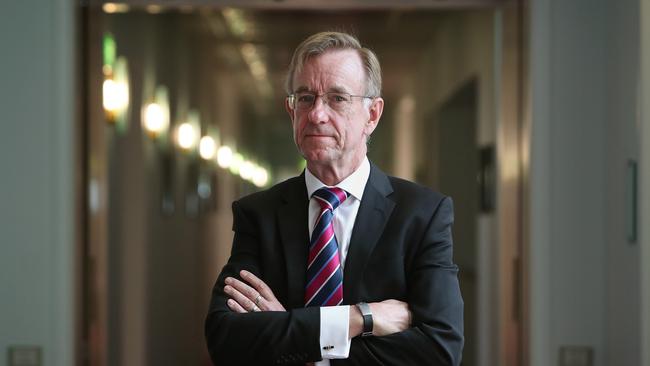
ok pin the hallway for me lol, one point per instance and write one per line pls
(530, 114)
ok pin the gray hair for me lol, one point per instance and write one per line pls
(319, 43)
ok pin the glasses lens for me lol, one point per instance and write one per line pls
(336, 101)
(305, 100)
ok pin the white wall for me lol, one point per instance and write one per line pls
(37, 182)
(645, 180)
(584, 276)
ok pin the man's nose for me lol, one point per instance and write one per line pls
(318, 112)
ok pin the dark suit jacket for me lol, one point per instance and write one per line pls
(401, 248)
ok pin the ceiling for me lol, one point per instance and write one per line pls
(315, 4)
(398, 36)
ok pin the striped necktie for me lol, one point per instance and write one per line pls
(324, 274)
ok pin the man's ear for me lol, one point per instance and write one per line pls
(375, 111)
(288, 108)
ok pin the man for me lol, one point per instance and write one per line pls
(342, 264)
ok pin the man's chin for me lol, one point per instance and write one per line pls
(318, 156)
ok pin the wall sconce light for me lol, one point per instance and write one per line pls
(246, 170)
(187, 133)
(237, 161)
(224, 156)
(207, 147)
(186, 136)
(154, 119)
(115, 89)
(115, 92)
(112, 8)
(155, 114)
(260, 177)
(116, 96)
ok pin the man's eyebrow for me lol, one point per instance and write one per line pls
(337, 89)
(333, 89)
(301, 89)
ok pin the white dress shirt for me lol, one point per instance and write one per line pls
(334, 320)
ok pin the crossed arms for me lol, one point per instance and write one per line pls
(422, 327)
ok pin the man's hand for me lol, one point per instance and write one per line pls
(388, 317)
(252, 296)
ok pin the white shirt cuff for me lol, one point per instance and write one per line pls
(334, 331)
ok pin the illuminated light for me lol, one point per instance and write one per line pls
(237, 161)
(246, 170)
(236, 23)
(115, 96)
(115, 8)
(109, 94)
(155, 115)
(107, 70)
(207, 148)
(109, 7)
(154, 119)
(186, 136)
(260, 177)
(109, 49)
(224, 157)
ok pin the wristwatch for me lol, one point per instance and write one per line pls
(367, 319)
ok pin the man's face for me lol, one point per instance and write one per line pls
(334, 137)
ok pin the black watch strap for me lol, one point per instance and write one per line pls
(367, 319)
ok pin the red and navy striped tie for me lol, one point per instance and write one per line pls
(324, 274)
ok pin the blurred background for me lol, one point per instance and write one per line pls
(130, 127)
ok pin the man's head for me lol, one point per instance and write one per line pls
(320, 43)
(334, 101)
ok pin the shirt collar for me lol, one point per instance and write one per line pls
(354, 184)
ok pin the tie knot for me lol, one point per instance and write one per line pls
(330, 198)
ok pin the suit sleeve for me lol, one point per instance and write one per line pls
(263, 337)
(436, 335)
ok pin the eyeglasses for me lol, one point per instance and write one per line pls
(338, 102)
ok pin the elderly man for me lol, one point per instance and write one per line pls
(343, 264)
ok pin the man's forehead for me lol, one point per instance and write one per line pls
(332, 71)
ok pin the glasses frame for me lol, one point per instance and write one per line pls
(293, 100)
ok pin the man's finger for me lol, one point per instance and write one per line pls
(234, 306)
(258, 284)
(240, 298)
(243, 288)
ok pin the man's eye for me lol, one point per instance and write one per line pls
(305, 98)
(338, 98)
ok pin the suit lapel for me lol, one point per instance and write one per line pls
(374, 211)
(292, 222)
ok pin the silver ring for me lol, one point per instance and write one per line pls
(255, 309)
(257, 300)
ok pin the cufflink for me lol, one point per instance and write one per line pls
(327, 348)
